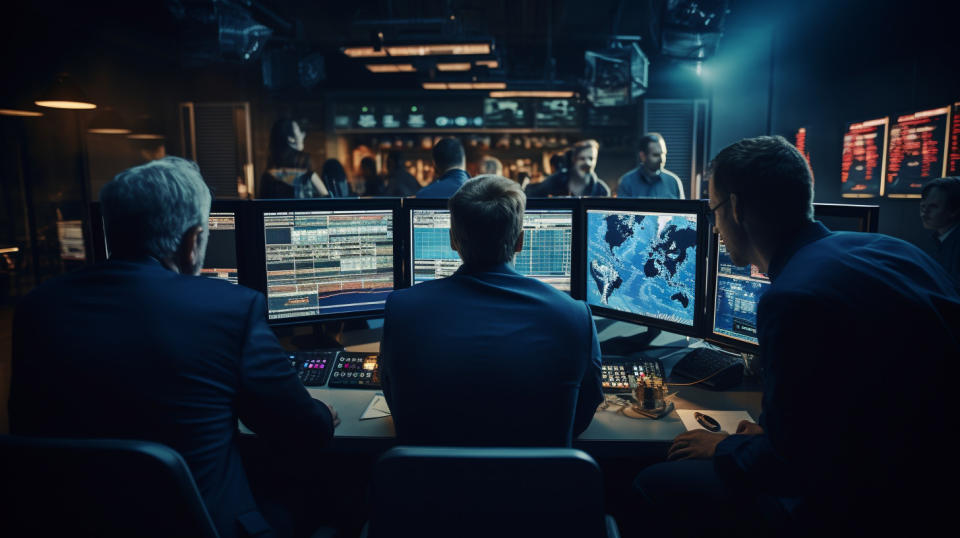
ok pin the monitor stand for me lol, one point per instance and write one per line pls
(626, 345)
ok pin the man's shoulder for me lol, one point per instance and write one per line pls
(631, 175)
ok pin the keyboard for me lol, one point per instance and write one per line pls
(620, 374)
(356, 370)
(710, 367)
(313, 367)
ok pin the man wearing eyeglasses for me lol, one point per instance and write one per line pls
(845, 437)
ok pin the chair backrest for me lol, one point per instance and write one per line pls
(439, 491)
(97, 488)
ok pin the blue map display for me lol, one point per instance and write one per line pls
(738, 292)
(643, 263)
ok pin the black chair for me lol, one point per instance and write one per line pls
(97, 487)
(503, 492)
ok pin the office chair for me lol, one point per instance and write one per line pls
(112, 488)
(503, 492)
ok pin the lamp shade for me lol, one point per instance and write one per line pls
(146, 128)
(108, 121)
(64, 94)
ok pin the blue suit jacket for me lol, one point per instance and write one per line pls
(132, 350)
(859, 340)
(489, 357)
(446, 185)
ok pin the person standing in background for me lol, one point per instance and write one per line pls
(651, 179)
(335, 178)
(940, 212)
(450, 162)
(399, 181)
(372, 182)
(289, 172)
(579, 180)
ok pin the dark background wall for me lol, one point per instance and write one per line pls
(833, 63)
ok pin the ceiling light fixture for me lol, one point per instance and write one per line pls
(450, 49)
(20, 113)
(492, 64)
(548, 94)
(391, 68)
(453, 66)
(64, 94)
(108, 122)
(444, 49)
(464, 85)
(363, 52)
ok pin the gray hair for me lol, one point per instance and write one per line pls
(486, 219)
(147, 209)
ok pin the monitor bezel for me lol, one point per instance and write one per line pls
(571, 204)
(258, 261)
(239, 209)
(656, 205)
(868, 213)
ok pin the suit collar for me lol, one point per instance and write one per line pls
(806, 234)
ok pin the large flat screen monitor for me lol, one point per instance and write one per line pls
(863, 164)
(224, 255)
(324, 259)
(735, 291)
(547, 255)
(646, 261)
(917, 151)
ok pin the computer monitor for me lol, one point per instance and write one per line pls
(548, 253)
(646, 261)
(848, 217)
(223, 256)
(325, 259)
(863, 164)
(735, 291)
(917, 151)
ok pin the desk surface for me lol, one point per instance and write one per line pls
(609, 428)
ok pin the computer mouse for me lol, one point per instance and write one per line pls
(707, 422)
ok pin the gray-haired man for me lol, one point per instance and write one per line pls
(139, 347)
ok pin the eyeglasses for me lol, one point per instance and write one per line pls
(713, 210)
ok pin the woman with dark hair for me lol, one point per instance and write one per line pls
(289, 172)
(372, 182)
(335, 178)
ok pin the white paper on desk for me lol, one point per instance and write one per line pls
(377, 408)
(729, 420)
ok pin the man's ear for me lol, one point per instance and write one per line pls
(519, 246)
(735, 209)
(189, 252)
(453, 242)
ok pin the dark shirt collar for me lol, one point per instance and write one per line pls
(806, 234)
(456, 174)
(503, 268)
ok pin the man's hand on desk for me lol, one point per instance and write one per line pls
(333, 413)
(747, 427)
(696, 444)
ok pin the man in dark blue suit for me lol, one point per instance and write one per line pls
(140, 347)
(488, 356)
(450, 162)
(859, 337)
